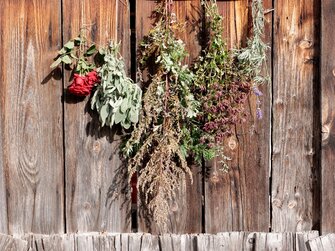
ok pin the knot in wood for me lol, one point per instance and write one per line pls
(96, 147)
(232, 143)
(292, 204)
(87, 205)
(305, 44)
(215, 178)
(174, 207)
(325, 133)
(277, 203)
(251, 240)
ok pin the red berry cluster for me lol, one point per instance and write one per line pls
(223, 107)
(83, 85)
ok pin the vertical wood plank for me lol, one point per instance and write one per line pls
(186, 216)
(31, 155)
(328, 116)
(170, 242)
(150, 243)
(235, 241)
(91, 153)
(274, 241)
(293, 115)
(239, 199)
(302, 239)
(322, 243)
(3, 199)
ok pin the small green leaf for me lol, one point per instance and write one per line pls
(90, 51)
(69, 45)
(62, 51)
(104, 112)
(133, 116)
(66, 59)
(126, 125)
(119, 117)
(56, 63)
(124, 105)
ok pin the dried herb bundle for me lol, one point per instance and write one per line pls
(253, 57)
(154, 148)
(223, 82)
(117, 99)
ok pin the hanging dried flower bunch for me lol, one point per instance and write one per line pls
(223, 82)
(153, 149)
(115, 97)
(183, 114)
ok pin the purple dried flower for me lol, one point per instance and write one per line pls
(259, 113)
(257, 91)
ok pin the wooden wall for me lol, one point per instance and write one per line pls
(56, 168)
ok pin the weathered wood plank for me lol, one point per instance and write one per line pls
(283, 241)
(135, 242)
(92, 153)
(229, 241)
(274, 241)
(322, 243)
(239, 199)
(3, 199)
(9, 243)
(293, 116)
(237, 241)
(149, 243)
(302, 239)
(170, 242)
(123, 31)
(31, 155)
(187, 209)
(99, 242)
(3, 204)
(328, 116)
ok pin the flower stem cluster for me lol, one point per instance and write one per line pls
(219, 87)
(153, 150)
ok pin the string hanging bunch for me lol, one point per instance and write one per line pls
(153, 149)
(223, 82)
(101, 72)
(78, 55)
(116, 99)
(253, 57)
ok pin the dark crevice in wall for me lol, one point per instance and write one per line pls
(316, 172)
(271, 113)
(133, 41)
(202, 40)
(63, 116)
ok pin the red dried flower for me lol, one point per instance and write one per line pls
(83, 85)
(92, 78)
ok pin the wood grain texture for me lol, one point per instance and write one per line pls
(92, 153)
(293, 116)
(235, 241)
(328, 116)
(302, 239)
(31, 155)
(3, 199)
(187, 209)
(8, 243)
(239, 199)
(283, 241)
(228, 241)
(322, 243)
